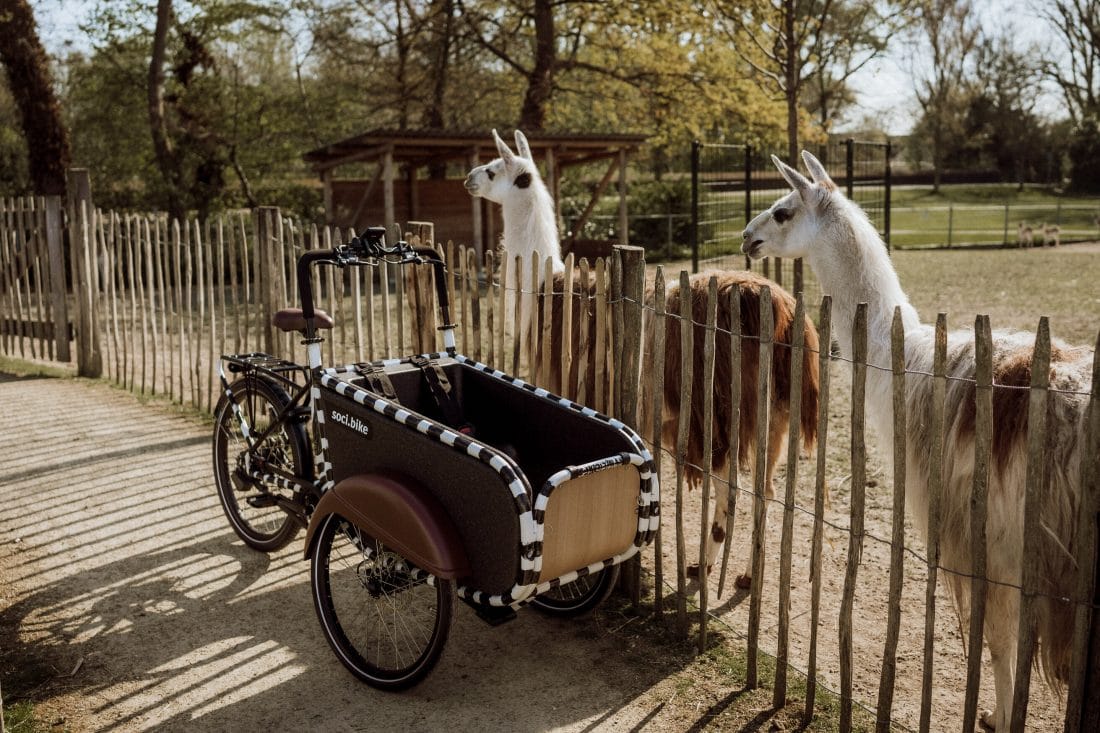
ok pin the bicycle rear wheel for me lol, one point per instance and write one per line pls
(580, 596)
(249, 503)
(386, 620)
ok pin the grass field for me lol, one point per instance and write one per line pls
(1013, 287)
(959, 215)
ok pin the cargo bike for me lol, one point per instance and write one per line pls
(423, 479)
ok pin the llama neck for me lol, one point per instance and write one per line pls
(530, 225)
(856, 270)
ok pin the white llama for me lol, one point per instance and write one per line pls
(817, 222)
(528, 209)
(1025, 237)
(530, 222)
(1052, 235)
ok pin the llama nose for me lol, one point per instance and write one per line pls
(745, 235)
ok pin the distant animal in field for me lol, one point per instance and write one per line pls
(1025, 237)
(1052, 235)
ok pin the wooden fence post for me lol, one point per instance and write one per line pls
(825, 333)
(760, 476)
(856, 512)
(979, 510)
(418, 289)
(265, 219)
(1083, 708)
(55, 246)
(89, 357)
(1037, 481)
(632, 283)
(897, 535)
(630, 287)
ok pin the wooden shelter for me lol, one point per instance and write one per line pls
(417, 175)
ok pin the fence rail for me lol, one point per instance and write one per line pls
(158, 301)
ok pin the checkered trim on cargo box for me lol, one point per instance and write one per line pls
(530, 517)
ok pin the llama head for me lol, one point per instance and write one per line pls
(791, 226)
(509, 176)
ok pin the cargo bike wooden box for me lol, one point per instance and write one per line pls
(424, 479)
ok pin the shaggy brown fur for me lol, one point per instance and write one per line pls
(783, 306)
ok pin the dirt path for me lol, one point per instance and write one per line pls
(128, 605)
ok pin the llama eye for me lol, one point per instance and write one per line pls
(490, 174)
(781, 215)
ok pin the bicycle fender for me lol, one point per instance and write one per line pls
(402, 515)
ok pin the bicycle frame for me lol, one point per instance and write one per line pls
(367, 250)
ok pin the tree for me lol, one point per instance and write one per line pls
(31, 86)
(789, 43)
(947, 37)
(525, 39)
(1002, 107)
(1076, 26)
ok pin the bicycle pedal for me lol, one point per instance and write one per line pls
(493, 615)
(262, 501)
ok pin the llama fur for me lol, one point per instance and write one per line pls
(842, 247)
(530, 227)
(530, 222)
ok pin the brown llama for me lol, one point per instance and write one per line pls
(513, 181)
(748, 285)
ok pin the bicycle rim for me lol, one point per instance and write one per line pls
(262, 525)
(386, 621)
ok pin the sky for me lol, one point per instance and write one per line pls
(884, 89)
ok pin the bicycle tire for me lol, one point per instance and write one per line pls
(263, 527)
(579, 597)
(386, 621)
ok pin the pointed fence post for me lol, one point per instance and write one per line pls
(631, 283)
(89, 357)
(1082, 708)
(55, 246)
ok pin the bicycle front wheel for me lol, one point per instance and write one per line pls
(249, 503)
(386, 620)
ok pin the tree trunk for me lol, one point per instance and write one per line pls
(28, 70)
(793, 80)
(442, 34)
(158, 123)
(540, 83)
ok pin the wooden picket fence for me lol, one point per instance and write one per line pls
(33, 288)
(156, 302)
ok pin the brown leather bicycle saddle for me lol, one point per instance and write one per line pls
(291, 319)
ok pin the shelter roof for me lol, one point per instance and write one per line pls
(422, 147)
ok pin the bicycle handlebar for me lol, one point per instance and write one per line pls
(369, 248)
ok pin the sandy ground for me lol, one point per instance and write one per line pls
(127, 604)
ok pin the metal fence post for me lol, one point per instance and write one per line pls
(888, 174)
(748, 194)
(849, 165)
(695, 146)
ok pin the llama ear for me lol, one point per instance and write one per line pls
(817, 171)
(522, 147)
(798, 181)
(502, 148)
